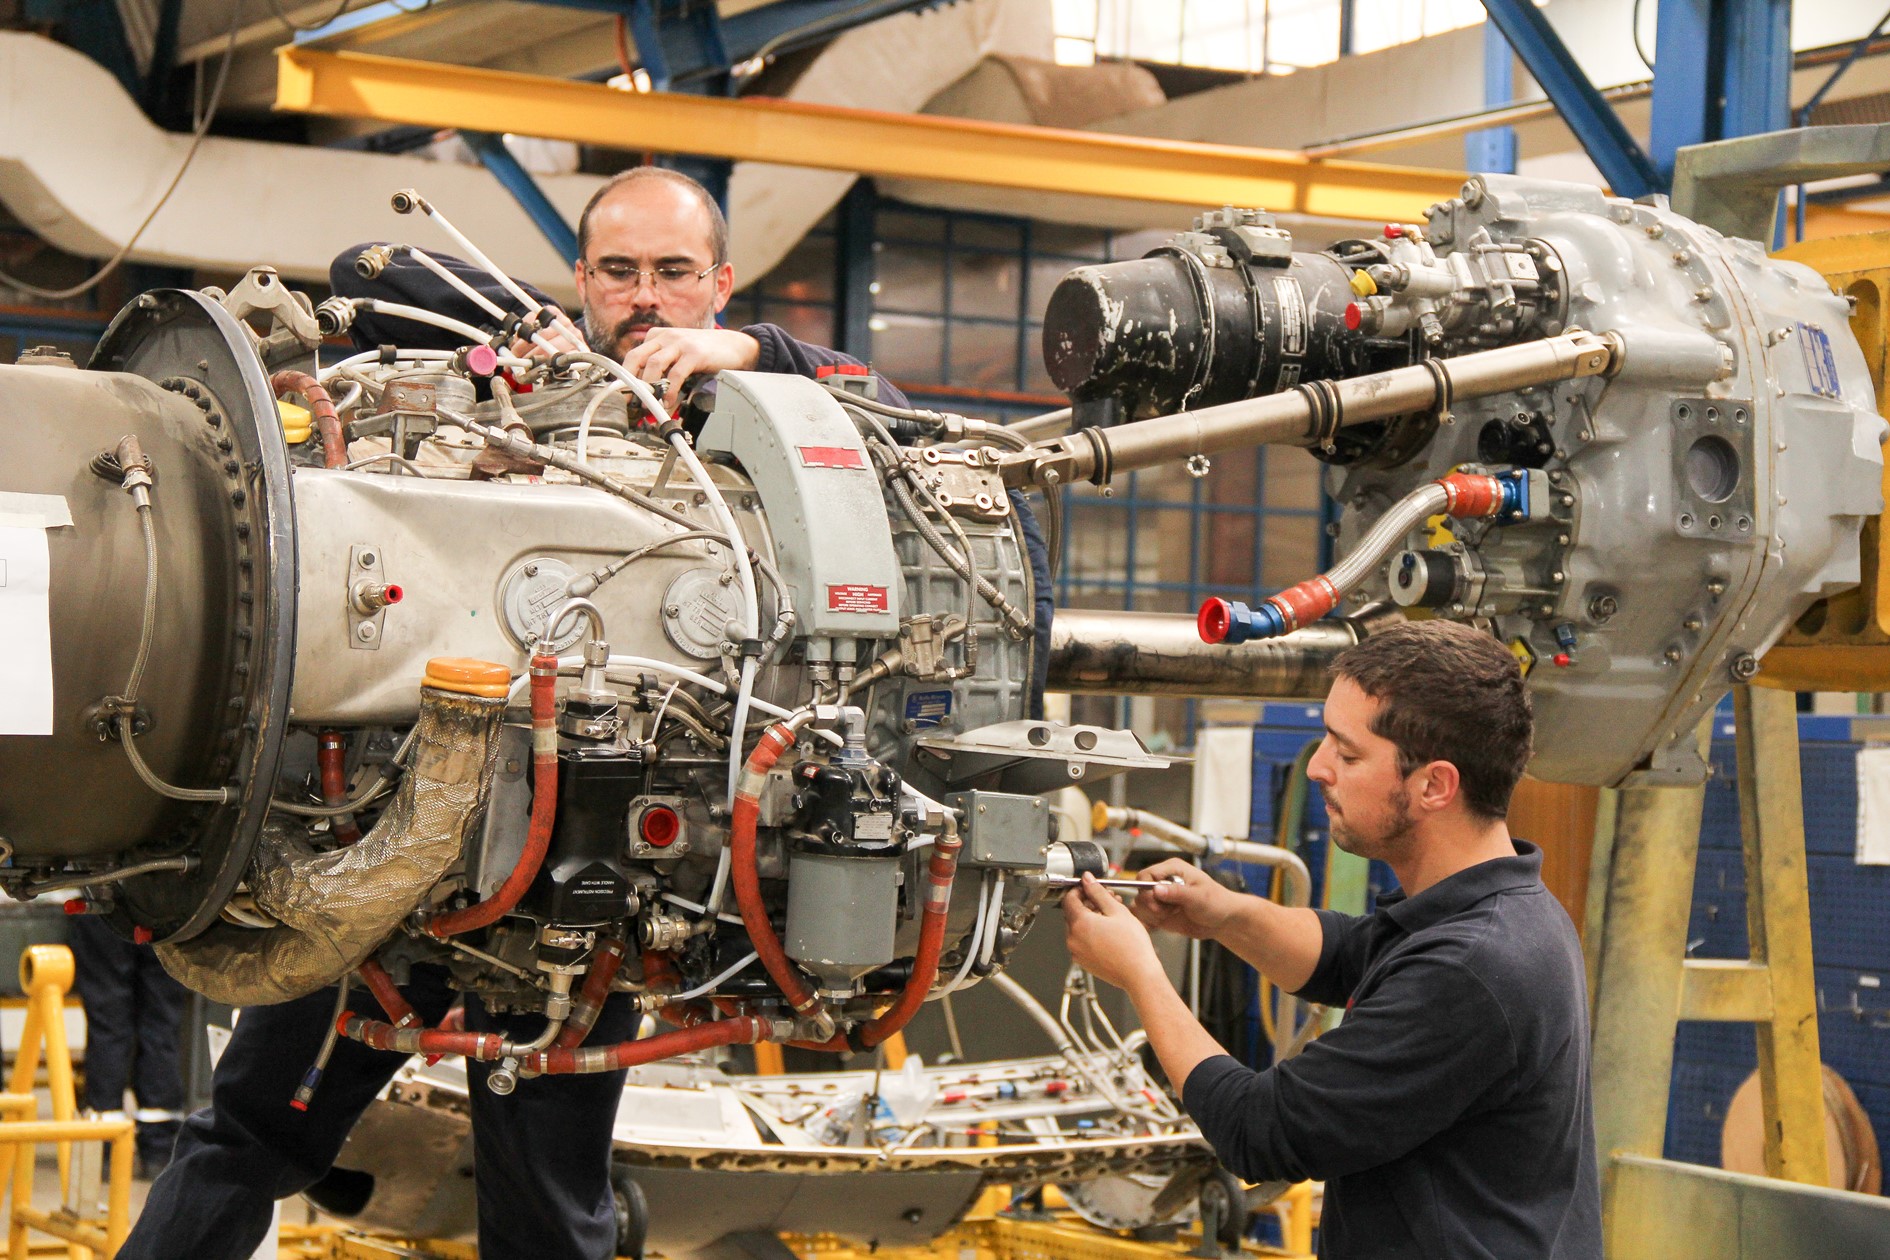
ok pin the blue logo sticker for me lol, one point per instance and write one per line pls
(1820, 365)
(928, 708)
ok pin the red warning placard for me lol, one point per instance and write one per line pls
(856, 597)
(831, 457)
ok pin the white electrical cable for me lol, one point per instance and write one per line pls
(531, 304)
(709, 987)
(971, 945)
(584, 425)
(989, 945)
(420, 315)
(465, 290)
(687, 904)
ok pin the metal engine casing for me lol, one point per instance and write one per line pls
(1734, 457)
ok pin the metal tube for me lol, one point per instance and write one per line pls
(1302, 415)
(1105, 652)
(1175, 836)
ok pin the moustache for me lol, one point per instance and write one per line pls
(640, 323)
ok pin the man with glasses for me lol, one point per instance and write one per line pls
(653, 274)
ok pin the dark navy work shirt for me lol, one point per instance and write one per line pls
(1449, 1113)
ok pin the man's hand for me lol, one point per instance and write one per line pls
(673, 355)
(1106, 940)
(1196, 907)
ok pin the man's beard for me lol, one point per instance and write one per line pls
(1383, 841)
(619, 342)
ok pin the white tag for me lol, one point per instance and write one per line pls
(26, 686)
(873, 827)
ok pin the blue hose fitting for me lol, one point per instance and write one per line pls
(1230, 621)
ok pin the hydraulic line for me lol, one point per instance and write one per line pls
(739, 1030)
(1503, 497)
(592, 993)
(747, 878)
(312, 1079)
(940, 873)
(322, 407)
(407, 200)
(972, 939)
(331, 759)
(544, 690)
(1174, 836)
(128, 464)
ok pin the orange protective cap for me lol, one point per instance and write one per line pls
(468, 677)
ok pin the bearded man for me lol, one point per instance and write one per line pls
(1449, 1113)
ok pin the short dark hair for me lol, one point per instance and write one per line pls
(718, 222)
(1448, 692)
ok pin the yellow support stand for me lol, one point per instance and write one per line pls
(46, 978)
(1643, 984)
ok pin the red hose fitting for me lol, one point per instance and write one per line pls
(1471, 494)
(544, 693)
(321, 407)
(747, 877)
(1306, 602)
(938, 900)
(331, 759)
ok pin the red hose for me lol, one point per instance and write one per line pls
(544, 810)
(331, 758)
(747, 876)
(591, 995)
(938, 893)
(320, 406)
(381, 985)
(742, 1030)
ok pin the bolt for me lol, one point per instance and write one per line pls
(1692, 623)
(671, 610)
(1716, 587)
(1744, 666)
(369, 559)
(365, 632)
(1672, 656)
(531, 570)
(1603, 608)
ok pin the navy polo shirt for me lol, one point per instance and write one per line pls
(1449, 1114)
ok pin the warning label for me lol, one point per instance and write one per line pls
(831, 457)
(856, 597)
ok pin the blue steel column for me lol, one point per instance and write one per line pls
(1494, 150)
(1685, 96)
(1757, 44)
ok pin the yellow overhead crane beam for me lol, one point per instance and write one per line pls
(871, 142)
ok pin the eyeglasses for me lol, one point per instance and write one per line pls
(621, 275)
